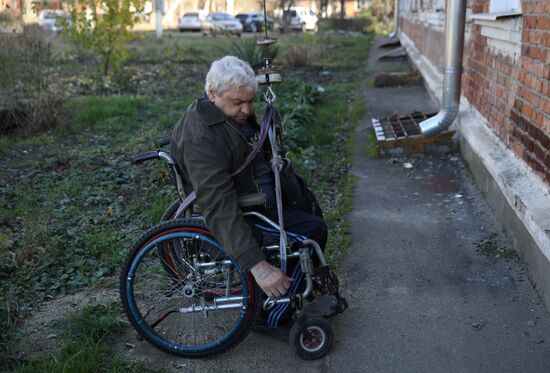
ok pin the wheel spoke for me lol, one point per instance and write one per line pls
(167, 283)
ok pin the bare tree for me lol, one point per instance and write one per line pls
(323, 7)
(286, 12)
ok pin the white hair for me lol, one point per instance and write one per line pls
(230, 72)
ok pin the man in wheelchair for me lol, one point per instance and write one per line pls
(209, 143)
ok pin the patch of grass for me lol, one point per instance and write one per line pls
(329, 175)
(68, 214)
(338, 223)
(85, 345)
(95, 322)
(358, 109)
(5, 146)
(373, 150)
(329, 50)
(489, 247)
(72, 204)
(177, 47)
(107, 113)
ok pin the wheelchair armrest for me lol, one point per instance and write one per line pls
(142, 157)
(163, 142)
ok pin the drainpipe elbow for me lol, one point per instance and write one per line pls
(439, 122)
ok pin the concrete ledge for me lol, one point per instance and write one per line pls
(519, 198)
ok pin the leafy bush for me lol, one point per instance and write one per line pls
(28, 105)
(247, 50)
(379, 16)
(296, 100)
(104, 34)
(302, 55)
(347, 24)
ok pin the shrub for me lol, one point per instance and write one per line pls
(247, 50)
(296, 109)
(302, 55)
(379, 16)
(27, 103)
(103, 33)
(347, 24)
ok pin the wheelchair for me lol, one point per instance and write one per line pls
(185, 295)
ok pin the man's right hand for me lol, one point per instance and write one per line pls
(270, 279)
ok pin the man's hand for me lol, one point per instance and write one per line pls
(271, 280)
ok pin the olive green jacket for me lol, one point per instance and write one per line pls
(208, 148)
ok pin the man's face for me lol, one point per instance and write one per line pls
(236, 103)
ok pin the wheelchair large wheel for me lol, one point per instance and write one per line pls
(170, 211)
(199, 305)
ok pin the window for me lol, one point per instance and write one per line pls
(438, 5)
(504, 6)
(502, 26)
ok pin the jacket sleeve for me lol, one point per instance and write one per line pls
(209, 171)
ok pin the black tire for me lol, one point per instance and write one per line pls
(170, 211)
(311, 337)
(167, 253)
(178, 312)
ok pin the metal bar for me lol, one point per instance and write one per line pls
(262, 217)
(391, 127)
(212, 264)
(398, 128)
(215, 307)
(227, 299)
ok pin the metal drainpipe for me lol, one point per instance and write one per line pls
(395, 20)
(454, 47)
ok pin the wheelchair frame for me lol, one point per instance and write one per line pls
(319, 279)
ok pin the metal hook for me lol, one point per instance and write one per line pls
(269, 95)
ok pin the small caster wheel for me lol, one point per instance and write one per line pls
(311, 337)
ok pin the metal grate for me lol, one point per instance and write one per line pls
(395, 54)
(399, 127)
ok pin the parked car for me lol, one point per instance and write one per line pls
(254, 22)
(222, 22)
(192, 21)
(48, 19)
(299, 19)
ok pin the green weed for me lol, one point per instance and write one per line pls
(85, 347)
(107, 113)
(5, 146)
(70, 207)
(248, 50)
(489, 247)
(373, 150)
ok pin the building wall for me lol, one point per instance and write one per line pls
(506, 70)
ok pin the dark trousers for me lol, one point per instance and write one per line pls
(299, 225)
(296, 223)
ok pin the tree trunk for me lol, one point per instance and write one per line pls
(106, 66)
(342, 13)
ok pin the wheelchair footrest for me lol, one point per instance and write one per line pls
(325, 306)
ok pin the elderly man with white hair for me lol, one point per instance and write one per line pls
(209, 143)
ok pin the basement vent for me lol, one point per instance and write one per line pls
(399, 127)
(397, 135)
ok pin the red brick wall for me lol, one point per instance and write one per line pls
(515, 96)
(428, 41)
